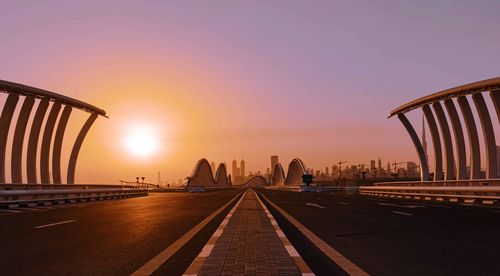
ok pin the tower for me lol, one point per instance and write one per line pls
(235, 173)
(242, 168)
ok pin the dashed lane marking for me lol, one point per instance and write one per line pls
(10, 211)
(315, 205)
(402, 206)
(402, 213)
(344, 203)
(54, 224)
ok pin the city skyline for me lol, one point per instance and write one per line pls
(193, 69)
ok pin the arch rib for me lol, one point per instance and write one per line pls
(76, 147)
(448, 145)
(488, 135)
(424, 167)
(5, 121)
(461, 168)
(495, 96)
(436, 142)
(18, 141)
(33, 140)
(470, 126)
(58, 141)
(46, 142)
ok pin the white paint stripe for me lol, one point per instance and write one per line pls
(402, 213)
(25, 209)
(55, 223)
(225, 221)
(344, 203)
(10, 211)
(206, 250)
(315, 205)
(291, 251)
(273, 222)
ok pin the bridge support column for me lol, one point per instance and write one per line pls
(459, 139)
(5, 120)
(46, 142)
(448, 144)
(470, 126)
(18, 141)
(489, 135)
(36, 126)
(58, 141)
(76, 147)
(436, 142)
(424, 167)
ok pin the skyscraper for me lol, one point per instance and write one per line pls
(379, 164)
(235, 170)
(372, 165)
(242, 168)
(274, 161)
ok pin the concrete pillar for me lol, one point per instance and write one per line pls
(489, 135)
(461, 169)
(5, 120)
(16, 165)
(470, 126)
(36, 126)
(76, 147)
(449, 173)
(58, 141)
(424, 167)
(46, 142)
(436, 142)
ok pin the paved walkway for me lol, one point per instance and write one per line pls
(248, 245)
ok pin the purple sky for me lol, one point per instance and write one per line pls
(313, 79)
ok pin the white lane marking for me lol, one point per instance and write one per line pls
(344, 203)
(402, 213)
(217, 233)
(281, 234)
(53, 224)
(314, 205)
(25, 209)
(402, 206)
(10, 211)
(496, 211)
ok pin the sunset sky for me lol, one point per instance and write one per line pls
(245, 79)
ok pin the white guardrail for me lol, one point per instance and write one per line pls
(468, 194)
(61, 193)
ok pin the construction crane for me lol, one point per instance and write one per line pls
(396, 164)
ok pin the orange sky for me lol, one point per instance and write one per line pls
(243, 80)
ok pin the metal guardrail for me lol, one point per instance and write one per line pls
(467, 194)
(57, 193)
(444, 183)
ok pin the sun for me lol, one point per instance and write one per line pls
(141, 140)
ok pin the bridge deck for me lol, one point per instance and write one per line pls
(248, 245)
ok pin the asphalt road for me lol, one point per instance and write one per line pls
(100, 238)
(396, 237)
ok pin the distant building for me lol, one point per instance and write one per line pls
(411, 169)
(372, 165)
(327, 171)
(379, 164)
(234, 170)
(242, 168)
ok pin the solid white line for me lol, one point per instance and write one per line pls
(402, 206)
(291, 251)
(206, 250)
(344, 203)
(53, 224)
(25, 209)
(402, 213)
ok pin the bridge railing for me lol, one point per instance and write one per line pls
(444, 183)
(61, 193)
(468, 194)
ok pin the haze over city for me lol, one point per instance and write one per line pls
(245, 79)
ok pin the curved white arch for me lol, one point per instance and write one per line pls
(278, 177)
(201, 175)
(296, 169)
(221, 178)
